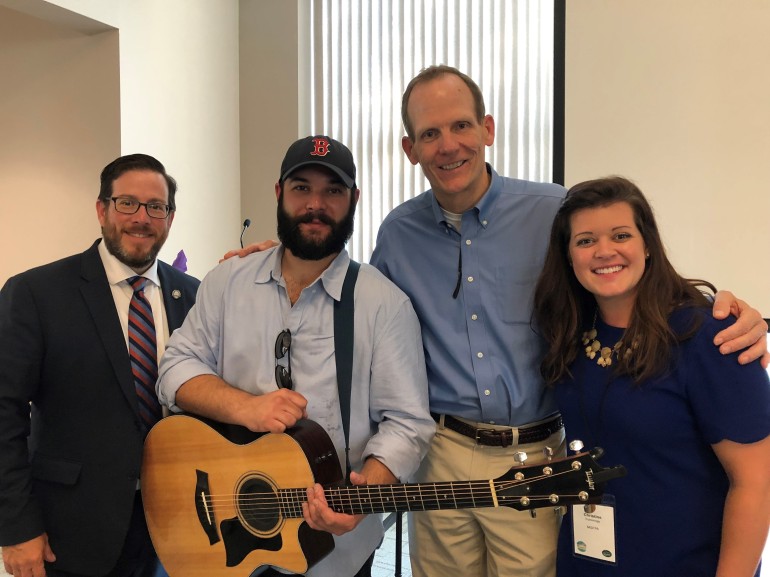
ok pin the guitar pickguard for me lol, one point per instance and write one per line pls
(239, 542)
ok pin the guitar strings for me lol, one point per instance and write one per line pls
(383, 498)
(418, 488)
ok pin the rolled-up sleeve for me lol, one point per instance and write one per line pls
(398, 401)
(194, 348)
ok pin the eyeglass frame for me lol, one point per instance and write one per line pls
(283, 348)
(139, 205)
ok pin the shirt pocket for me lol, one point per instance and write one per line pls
(514, 289)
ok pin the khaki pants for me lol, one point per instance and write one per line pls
(489, 541)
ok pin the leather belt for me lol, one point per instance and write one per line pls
(502, 437)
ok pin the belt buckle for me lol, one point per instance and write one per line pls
(505, 438)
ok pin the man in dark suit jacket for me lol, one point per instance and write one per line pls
(70, 502)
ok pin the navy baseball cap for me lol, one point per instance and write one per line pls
(320, 150)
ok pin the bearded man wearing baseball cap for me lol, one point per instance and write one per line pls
(259, 351)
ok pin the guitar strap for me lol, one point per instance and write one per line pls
(343, 352)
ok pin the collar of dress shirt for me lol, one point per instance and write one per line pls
(483, 208)
(331, 279)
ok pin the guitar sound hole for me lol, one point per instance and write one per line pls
(258, 505)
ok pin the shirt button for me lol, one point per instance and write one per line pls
(487, 392)
(470, 279)
(474, 317)
(480, 355)
(468, 242)
(484, 222)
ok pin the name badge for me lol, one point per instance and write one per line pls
(593, 531)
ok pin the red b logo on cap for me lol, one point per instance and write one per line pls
(321, 147)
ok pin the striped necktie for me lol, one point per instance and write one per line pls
(142, 348)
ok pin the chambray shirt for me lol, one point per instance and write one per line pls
(482, 355)
(242, 306)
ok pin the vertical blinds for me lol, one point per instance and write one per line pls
(356, 58)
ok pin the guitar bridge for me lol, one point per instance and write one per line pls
(204, 507)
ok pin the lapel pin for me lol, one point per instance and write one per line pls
(176, 293)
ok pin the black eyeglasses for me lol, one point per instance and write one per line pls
(126, 205)
(283, 347)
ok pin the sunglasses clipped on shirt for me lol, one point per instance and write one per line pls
(283, 348)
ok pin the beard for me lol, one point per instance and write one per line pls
(135, 259)
(290, 234)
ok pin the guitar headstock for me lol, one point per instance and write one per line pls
(574, 480)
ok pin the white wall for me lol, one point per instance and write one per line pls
(178, 100)
(676, 96)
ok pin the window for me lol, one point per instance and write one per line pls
(358, 58)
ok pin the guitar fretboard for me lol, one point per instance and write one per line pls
(366, 499)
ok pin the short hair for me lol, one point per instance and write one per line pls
(431, 73)
(130, 162)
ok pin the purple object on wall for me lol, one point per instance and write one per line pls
(180, 262)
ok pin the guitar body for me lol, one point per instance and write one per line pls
(212, 507)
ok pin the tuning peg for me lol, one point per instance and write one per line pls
(576, 445)
(520, 457)
(548, 453)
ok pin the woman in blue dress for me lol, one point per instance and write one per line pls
(631, 356)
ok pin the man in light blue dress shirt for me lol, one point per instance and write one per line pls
(475, 244)
(222, 363)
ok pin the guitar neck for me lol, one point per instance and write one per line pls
(401, 498)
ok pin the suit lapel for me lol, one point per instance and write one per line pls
(98, 299)
(175, 299)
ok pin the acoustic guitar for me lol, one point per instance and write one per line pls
(220, 508)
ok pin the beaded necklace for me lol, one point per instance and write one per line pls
(594, 346)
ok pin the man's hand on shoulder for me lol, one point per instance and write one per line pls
(27, 558)
(748, 332)
(248, 249)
